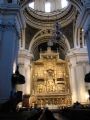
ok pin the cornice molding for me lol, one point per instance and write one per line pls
(52, 15)
(77, 52)
(25, 54)
(82, 62)
(15, 11)
(40, 21)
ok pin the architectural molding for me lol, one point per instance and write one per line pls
(82, 62)
(25, 54)
(43, 36)
(47, 33)
(41, 20)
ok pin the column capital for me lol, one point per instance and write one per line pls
(25, 54)
(12, 13)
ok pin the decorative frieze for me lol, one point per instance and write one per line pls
(37, 16)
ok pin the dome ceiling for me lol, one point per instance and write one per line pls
(40, 15)
(48, 5)
(76, 3)
(41, 20)
(60, 10)
(38, 19)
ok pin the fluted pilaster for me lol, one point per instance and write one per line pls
(10, 27)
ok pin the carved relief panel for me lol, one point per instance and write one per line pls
(50, 77)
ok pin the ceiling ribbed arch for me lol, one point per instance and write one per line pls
(43, 37)
(77, 4)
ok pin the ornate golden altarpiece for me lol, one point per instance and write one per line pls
(50, 81)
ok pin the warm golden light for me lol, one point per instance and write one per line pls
(50, 80)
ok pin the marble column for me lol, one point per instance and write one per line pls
(83, 21)
(27, 74)
(24, 62)
(77, 59)
(21, 87)
(73, 84)
(10, 25)
(9, 48)
(81, 90)
(22, 41)
(75, 38)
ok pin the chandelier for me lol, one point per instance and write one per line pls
(56, 35)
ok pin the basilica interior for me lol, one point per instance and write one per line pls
(53, 55)
(49, 41)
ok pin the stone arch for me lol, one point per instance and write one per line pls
(42, 37)
(77, 4)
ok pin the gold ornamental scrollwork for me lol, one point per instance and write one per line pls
(51, 80)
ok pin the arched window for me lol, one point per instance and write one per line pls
(31, 5)
(64, 3)
(47, 7)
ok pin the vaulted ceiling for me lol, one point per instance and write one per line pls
(38, 23)
(77, 3)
